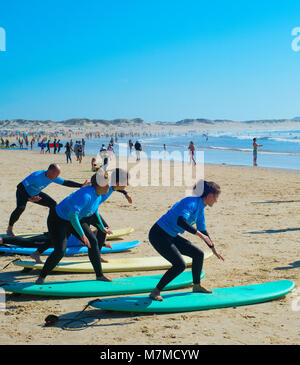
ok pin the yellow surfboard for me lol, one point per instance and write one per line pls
(114, 265)
(116, 233)
(119, 233)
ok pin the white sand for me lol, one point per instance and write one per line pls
(255, 226)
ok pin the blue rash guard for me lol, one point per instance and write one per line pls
(191, 209)
(81, 204)
(37, 181)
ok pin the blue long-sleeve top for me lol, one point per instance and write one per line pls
(191, 209)
(81, 204)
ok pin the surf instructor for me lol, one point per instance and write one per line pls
(30, 189)
(164, 235)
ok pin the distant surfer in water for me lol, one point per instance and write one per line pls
(164, 235)
(30, 189)
(255, 146)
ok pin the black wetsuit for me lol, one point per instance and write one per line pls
(30, 242)
(60, 230)
(172, 249)
(46, 201)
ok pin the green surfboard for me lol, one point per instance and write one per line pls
(189, 301)
(90, 288)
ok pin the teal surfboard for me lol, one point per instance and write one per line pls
(189, 301)
(90, 288)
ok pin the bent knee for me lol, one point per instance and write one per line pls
(181, 266)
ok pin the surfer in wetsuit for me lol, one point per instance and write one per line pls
(30, 189)
(98, 234)
(75, 214)
(164, 235)
(42, 242)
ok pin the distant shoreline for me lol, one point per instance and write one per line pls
(136, 127)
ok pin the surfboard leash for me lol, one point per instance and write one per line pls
(52, 319)
(4, 267)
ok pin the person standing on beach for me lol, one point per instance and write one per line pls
(74, 215)
(79, 151)
(75, 150)
(130, 144)
(55, 146)
(68, 152)
(255, 146)
(32, 143)
(192, 152)
(48, 146)
(104, 156)
(30, 189)
(138, 149)
(83, 146)
(43, 146)
(110, 151)
(164, 235)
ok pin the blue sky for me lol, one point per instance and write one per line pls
(156, 60)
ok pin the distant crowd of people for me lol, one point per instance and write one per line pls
(78, 148)
(107, 153)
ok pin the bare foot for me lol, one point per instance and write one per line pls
(36, 256)
(40, 281)
(103, 278)
(103, 260)
(197, 288)
(155, 295)
(9, 232)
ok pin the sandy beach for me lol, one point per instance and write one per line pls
(255, 226)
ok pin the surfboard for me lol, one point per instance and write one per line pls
(189, 301)
(22, 235)
(70, 251)
(73, 241)
(89, 288)
(14, 148)
(114, 265)
(51, 144)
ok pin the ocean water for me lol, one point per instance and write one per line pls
(281, 149)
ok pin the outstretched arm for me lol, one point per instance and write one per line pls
(127, 196)
(73, 184)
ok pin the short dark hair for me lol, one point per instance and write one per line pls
(208, 187)
(53, 166)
